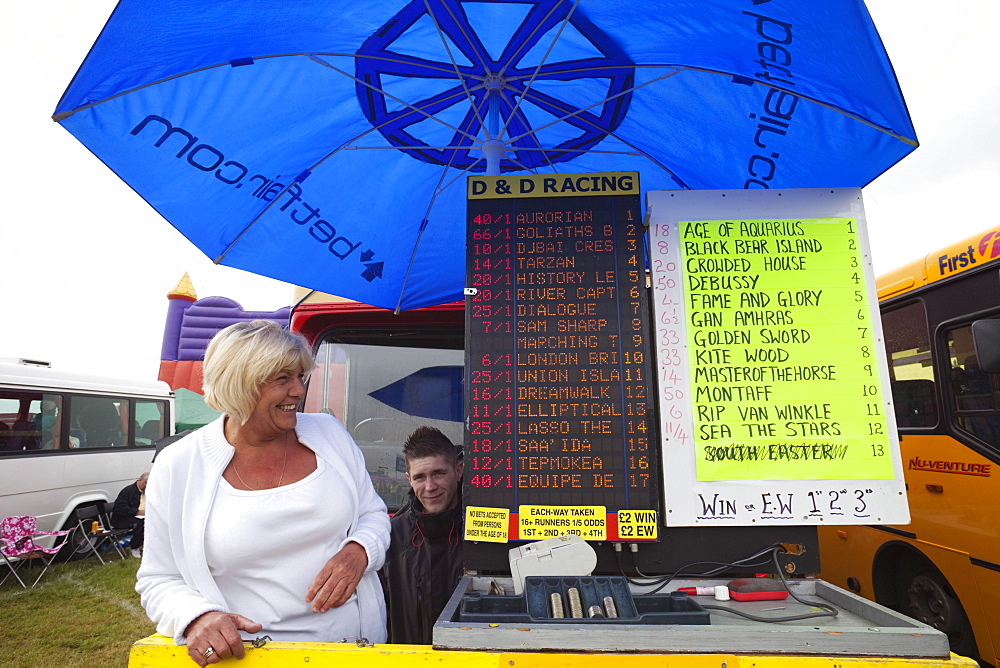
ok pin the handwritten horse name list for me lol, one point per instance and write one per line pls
(782, 353)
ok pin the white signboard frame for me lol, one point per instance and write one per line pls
(752, 502)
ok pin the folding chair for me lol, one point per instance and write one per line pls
(19, 546)
(93, 540)
(11, 565)
(115, 535)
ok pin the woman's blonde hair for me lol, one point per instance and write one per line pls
(242, 356)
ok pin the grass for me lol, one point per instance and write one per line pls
(80, 614)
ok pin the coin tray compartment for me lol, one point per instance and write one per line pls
(534, 605)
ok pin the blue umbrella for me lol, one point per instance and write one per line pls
(327, 143)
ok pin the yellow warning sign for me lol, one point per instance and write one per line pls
(637, 524)
(539, 522)
(487, 524)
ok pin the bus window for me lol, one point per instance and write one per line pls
(383, 393)
(908, 352)
(150, 421)
(103, 421)
(974, 392)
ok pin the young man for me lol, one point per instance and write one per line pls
(424, 562)
(129, 510)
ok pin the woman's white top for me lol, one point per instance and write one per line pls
(264, 548)
(175, 581)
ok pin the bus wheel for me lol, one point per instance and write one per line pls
(929, 599)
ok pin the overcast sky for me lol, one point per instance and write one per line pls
(87, 264)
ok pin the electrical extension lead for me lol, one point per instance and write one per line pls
(720, 567)
(830, 610)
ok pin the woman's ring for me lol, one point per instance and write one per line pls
(209, 652)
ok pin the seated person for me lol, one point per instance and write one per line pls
(130, 511)
(49, 424)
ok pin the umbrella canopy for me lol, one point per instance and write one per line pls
(326, 143)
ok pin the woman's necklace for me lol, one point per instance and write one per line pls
(283, 463)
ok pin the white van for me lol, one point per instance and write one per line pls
(70, 440)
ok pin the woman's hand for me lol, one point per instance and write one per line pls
(219, 631)
(338, 578)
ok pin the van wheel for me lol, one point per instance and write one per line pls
(79, 542)
(927, 597)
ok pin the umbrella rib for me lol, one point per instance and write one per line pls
(430, 205)
(454, 63)
(461, 29)
(641, 153)
(437, 191)
(402, 61)
(462, 148)
(329, 155)
(322, 62)
(538, 25)
(535, 171)
(441, 189)
(541, 62)
(580, 150)
(681, 68)
(599, 102)
(517, 104)
(587, 69)
(63, 115)
(613, 134)
(420, 233)
(653, 160)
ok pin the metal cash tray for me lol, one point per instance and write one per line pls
(861, 628)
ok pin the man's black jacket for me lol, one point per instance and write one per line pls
(422, 569)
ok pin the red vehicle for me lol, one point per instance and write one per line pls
(383, 375)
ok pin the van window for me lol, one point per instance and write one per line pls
(20, 421)
(382, 394)
(102, 422)
(150, 421)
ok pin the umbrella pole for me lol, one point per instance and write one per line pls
(494, 154)
(493, 148)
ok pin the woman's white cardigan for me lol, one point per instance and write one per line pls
(174, 581)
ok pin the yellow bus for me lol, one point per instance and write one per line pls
(944, 567)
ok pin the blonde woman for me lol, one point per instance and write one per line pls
(264, 521)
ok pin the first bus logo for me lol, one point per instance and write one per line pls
(953, 260)
(991, 241)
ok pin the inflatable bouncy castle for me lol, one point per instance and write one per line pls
(190, 325)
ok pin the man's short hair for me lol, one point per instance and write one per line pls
(429, 442)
